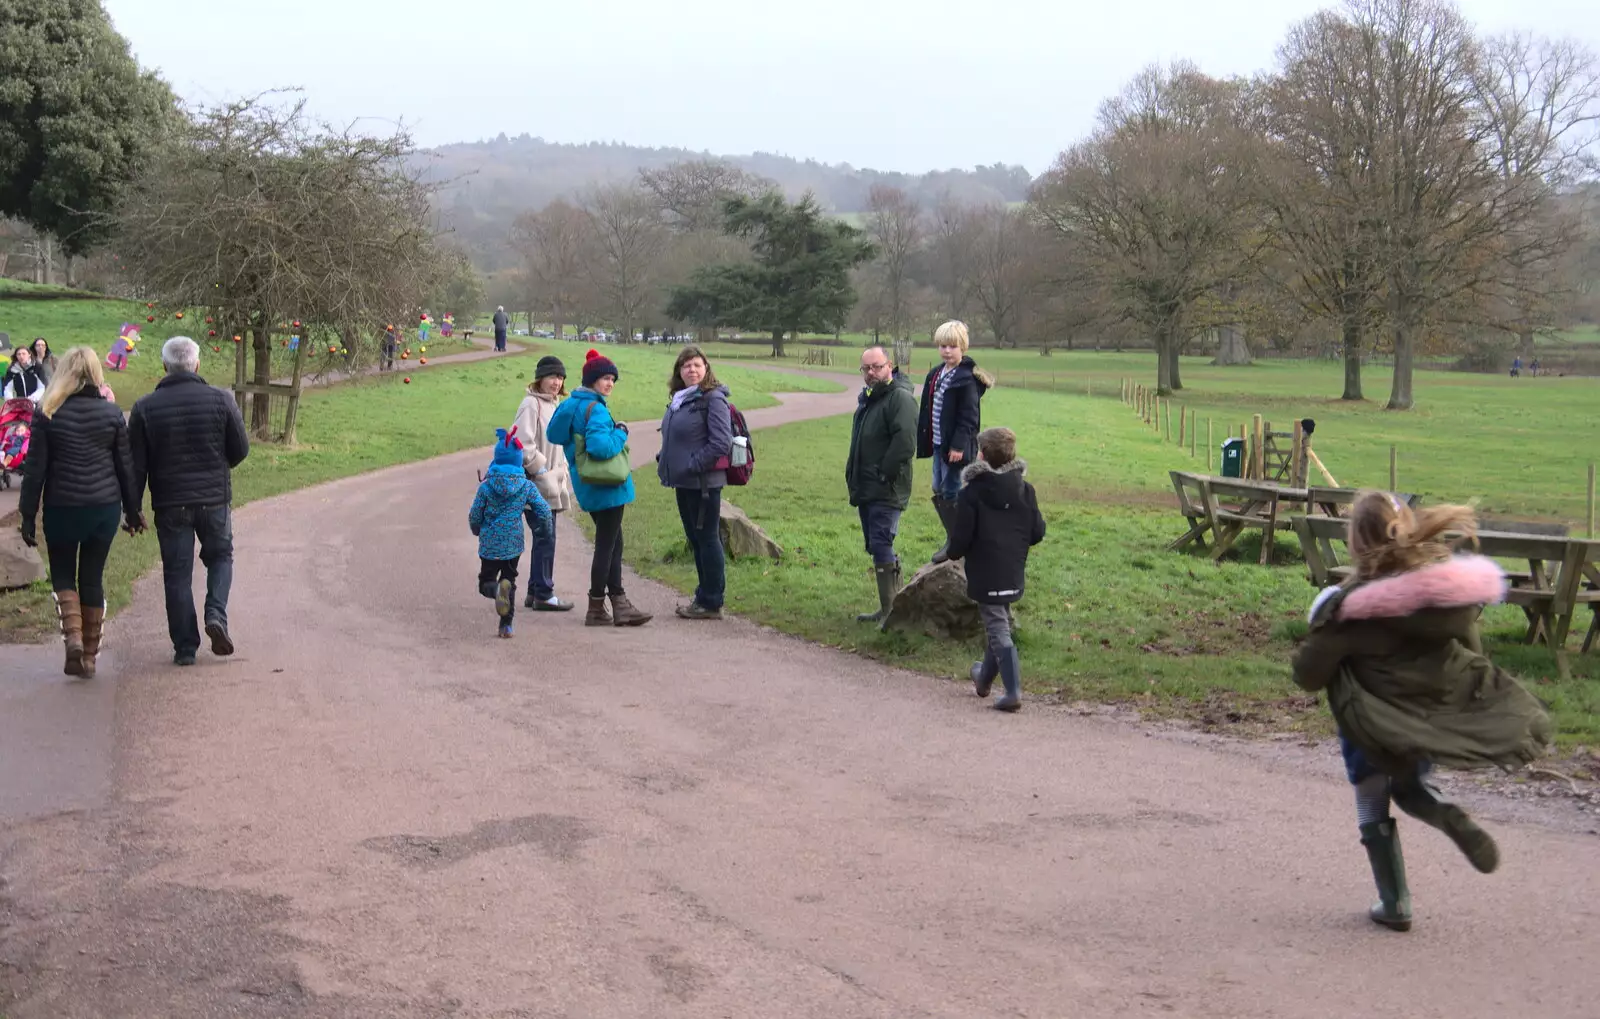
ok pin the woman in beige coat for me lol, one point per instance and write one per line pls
(546, 464)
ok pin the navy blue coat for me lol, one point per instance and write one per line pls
(694, 436)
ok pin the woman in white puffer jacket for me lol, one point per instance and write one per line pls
(546, 464)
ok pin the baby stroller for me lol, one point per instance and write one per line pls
(16, 428)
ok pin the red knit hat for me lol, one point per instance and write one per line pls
(597, 366)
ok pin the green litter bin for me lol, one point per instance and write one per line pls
(1233, 458)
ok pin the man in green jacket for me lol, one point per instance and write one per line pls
(883, 440)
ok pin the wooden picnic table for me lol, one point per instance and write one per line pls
(1226, 507)
(1563, 574)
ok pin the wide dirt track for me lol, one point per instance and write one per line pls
(376, 809)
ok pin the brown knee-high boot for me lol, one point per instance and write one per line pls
(94, 619)
(71, 613)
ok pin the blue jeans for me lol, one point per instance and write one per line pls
(946, 477)
(880, 525)
(700, 509)
(177, 527)
(542, 563)
(1357, 768)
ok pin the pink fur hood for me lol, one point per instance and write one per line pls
(1462, 580)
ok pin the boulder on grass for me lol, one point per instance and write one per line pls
(19, 564)
(741, 538)
(934, 602)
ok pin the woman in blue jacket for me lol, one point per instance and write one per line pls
(696, 433)
(604, 437)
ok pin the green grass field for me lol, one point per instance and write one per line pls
(1110, 615)
(378, 422)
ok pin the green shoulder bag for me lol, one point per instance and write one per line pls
(607, 473)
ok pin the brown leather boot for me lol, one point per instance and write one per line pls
(94, 619)
(597, 614)
(71, 612)
(624, 614)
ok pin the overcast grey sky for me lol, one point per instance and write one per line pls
(909, 85)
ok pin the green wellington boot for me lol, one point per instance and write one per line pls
(1382, 841)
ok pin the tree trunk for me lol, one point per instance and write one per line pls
(558, 324)
(1525, 342)
(292, 415)
(72, 272)
(1231, 347)
(1163, 342)
(1174, 366)
(260, 403)
(1404, 354)
(777, 343)
(1353, 342)
(47, 247)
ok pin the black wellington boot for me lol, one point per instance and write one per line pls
(1011, 676)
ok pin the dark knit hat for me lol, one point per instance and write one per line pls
(507, 448)
(597, 366)
(549, 365)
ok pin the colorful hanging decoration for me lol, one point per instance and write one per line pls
(127, 339)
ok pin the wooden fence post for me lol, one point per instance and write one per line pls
(1194, 431)
(1169, 420)
(1394, 458)
(1297, 459)
(1183, 424)
(1591, 498)
(1208, 445)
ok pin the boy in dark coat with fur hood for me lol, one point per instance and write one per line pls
(996, 522)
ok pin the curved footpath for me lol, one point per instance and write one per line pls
(378, 810)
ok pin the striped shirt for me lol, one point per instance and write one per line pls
(941, 382)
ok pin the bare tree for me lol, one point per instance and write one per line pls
(553, 246)
(1162, 200)
(950, 243)
(260, 216)
(628, 240)
(1005, 267)
(1323, 186)
(692, 193)
(894, 223)
(1541, 100)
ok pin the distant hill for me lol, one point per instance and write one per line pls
(485, 184)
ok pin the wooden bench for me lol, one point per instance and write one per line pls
(1191, 504)
(1336, 502)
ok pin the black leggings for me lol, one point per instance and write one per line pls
(80, 566)
(605, 572)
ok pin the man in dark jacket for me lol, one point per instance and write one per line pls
(883, 440)
(187, 437)
(501, 321)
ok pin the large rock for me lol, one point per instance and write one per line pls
(741, 538)
(19, 564)
(935, 603)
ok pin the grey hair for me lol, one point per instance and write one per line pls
(180, 353)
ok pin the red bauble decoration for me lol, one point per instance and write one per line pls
(212, 332)
(216, 350)
(422, 360)
(208, 320)
(180, 314)
(407, 380)
(150, 318)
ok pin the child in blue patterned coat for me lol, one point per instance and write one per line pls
(496, 518)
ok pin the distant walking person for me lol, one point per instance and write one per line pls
(949, 420)
(187, 437)
(501, 321)
(997, 521)
(80, 465)
(1516, 366)
(877, 471)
